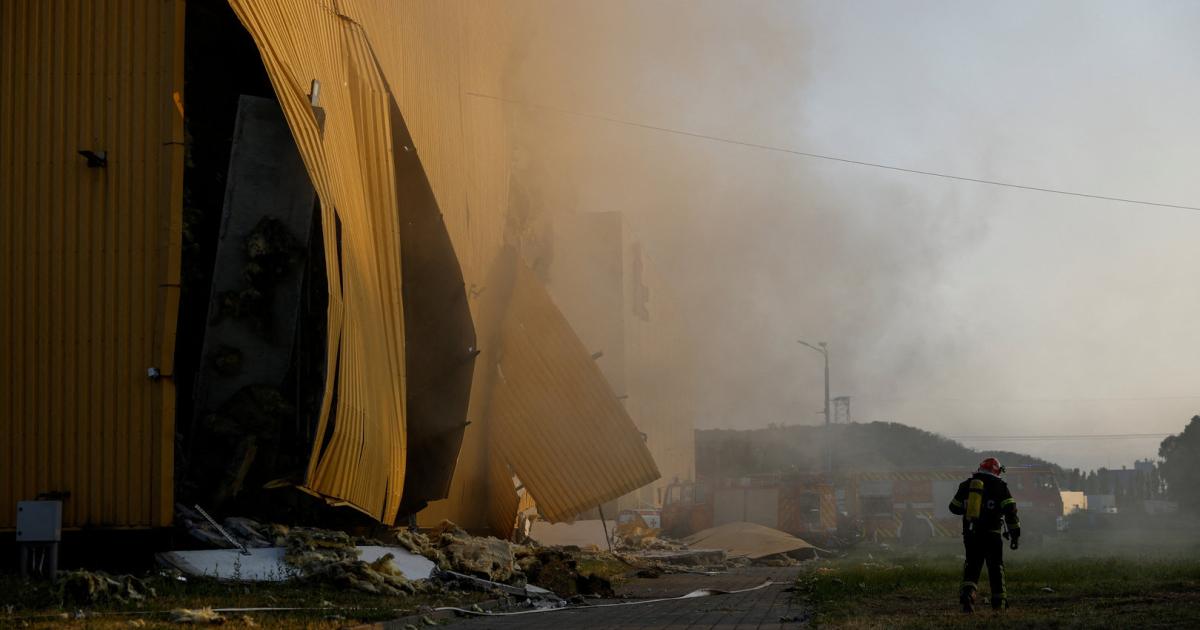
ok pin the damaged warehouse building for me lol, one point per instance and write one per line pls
(274, 259)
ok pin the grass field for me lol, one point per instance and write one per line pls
(1067, 582)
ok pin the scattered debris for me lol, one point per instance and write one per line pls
(269, 564)
(756, 542)
(558, 571)
(689, 558)
(199, 616)
(85, 588)
(488, 557)
(248, 531)
(635, 534)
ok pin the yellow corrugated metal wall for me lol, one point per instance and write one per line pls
(89, 257)
(431, 56)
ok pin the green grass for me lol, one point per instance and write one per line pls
(37, 604)
(1062, 584)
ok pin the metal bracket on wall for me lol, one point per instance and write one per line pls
(95, 159)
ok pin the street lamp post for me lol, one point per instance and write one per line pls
(824, 350)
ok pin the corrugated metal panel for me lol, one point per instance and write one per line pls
(503, 503)
(433, 54)
(352, 164)
(363, 52)
(557, 423)
(90, 262)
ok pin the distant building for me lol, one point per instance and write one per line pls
(1073, 501)
(1158, 507)
(1106, 503)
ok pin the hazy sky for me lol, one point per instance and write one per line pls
(957, 307)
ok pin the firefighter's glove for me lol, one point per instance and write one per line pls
(1015, 537)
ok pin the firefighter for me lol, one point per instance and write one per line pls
(986, 506)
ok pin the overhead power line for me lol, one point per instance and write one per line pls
(976, 401)
(1107, 436)
(831, 158)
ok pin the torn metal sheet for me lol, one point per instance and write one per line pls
(267, 565)
(375, 201)
(390, 156)
(558, 424)
(750, 540)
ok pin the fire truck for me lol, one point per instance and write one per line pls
(801, 505)
(885, 502)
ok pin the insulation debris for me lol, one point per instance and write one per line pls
(486, 557)
(85, 588)
(330, 556)
(309, 550)
(198, 617)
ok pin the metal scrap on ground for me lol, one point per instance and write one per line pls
(751, 540)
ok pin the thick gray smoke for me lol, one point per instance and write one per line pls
(956, 307)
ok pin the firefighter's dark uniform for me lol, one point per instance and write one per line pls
(982, 533)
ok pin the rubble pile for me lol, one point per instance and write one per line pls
(635, 535)
(451, 548)
(330, 556)
(84, 588)
(553, 568)
(248, 532)
(557, 569)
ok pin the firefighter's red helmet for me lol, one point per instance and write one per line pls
(992, 466)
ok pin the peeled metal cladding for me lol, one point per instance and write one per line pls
(553, 412)
(389, 263)
(91, 194)
(413, 218)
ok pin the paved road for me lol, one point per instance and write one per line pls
(761, 608)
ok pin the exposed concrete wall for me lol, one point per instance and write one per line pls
(266, 220)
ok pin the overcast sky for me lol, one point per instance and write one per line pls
(962, 308)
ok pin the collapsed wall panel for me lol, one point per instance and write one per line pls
(557, 423)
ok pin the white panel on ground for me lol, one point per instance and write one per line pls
(267, 565)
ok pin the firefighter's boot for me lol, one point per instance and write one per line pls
(966, 597)
(999, 601)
